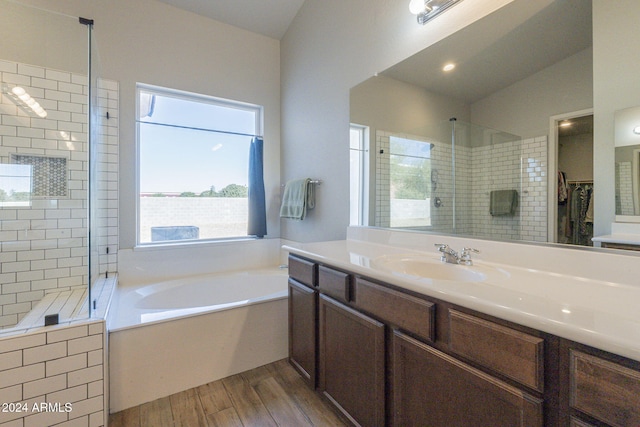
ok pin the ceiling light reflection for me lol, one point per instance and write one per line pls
(23, 99)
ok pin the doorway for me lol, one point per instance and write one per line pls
(571, 200)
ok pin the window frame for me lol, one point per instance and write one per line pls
(195, 97)
(428, 199)
(363, 172)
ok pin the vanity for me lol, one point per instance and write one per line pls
(486, 344)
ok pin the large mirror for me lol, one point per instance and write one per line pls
(488, 132)
(627, 142)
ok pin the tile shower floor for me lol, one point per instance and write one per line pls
(271, 395)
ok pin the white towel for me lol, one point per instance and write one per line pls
(298, 196)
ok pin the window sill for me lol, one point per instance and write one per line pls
(190, 244)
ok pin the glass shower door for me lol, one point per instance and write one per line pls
(488, 173)
(44, 164)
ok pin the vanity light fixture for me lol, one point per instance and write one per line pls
(636, 130)
(428, 9)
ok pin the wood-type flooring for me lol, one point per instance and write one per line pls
(273, 395)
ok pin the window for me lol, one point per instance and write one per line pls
(193, 161)
(15, 185)
(358, 143)
(410, 182)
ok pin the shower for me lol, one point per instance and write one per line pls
(57, 168)
(452, 185)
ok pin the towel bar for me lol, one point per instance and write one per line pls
(313, 181)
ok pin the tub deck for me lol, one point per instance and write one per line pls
(140, 305)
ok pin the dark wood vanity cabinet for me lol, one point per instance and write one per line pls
(386, 356)
(600, 388)
(303, 318)
(431, 388)
(351, 362)
(303, 330)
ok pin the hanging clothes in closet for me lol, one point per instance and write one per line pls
(579, 213)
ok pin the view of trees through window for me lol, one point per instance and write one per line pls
(231, 190)
(193, 165)
(410, 182)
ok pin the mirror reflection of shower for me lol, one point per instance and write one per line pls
(470, 182)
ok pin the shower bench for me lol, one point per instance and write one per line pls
(68, 304)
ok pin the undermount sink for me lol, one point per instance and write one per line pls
(422, 267)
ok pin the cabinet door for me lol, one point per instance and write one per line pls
(431, 388)
(604, 389)
(302, 330)
(351, 362)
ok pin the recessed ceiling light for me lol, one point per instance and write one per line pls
(449, 67)
(636, 130)
(565, 124)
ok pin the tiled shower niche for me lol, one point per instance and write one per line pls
(49, 175)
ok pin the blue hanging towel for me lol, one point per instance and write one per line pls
(257, 224)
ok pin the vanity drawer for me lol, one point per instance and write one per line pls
(574, 422)
(334, 283)
(605, 390)
(512, 353)
(303, 271)
(411, 314)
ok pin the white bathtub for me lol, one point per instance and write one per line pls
(137, 306)
(171, 336)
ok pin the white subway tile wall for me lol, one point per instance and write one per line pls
(107, 168)
(54, 378)
(519, 165)
(383, 180)
(533, 200)
(624, 189)
(44, 246)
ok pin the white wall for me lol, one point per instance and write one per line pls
(524, 108)
(575, 157)
(151, 42)
(615, 74)
(331, 46)
(395, 106)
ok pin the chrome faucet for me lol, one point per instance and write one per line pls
(452, 257)
(448, 254)
(465, 256)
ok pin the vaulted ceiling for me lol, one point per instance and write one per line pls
(270, 18)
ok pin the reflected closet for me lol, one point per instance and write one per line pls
(575, 181)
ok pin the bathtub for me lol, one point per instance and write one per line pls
(170, 336)
(164, 301)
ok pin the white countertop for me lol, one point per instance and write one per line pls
(599, 313)
(628, 239)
